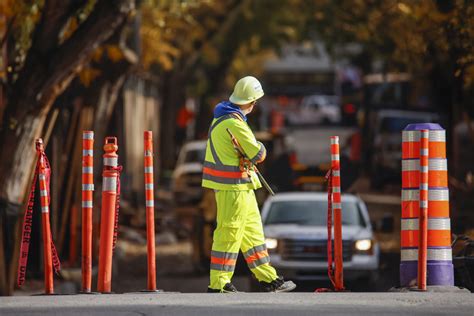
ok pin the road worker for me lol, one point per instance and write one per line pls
(239, 225)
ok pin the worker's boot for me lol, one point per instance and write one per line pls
(228, 288)
(278, 285)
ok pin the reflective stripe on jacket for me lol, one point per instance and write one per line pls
(221, 169)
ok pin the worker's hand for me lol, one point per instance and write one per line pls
(245, 164)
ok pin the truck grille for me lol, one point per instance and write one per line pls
(311, 250)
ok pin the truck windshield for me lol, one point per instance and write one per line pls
(311, 213)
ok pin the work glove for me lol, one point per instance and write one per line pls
(245, 165)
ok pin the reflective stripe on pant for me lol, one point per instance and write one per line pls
(239, 227)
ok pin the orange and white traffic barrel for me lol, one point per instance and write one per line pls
(87, 206)
(415, 188)
(150, 209)
(110, 176)
(336, 207)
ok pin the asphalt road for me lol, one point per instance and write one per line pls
(247, 304)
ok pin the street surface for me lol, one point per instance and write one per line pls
(242, 304)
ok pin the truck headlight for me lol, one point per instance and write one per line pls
(363, 246)
(271, 243)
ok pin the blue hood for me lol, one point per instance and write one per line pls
(227, 107)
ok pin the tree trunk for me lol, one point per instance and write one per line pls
(43, 77)
(173, 98)
(18, 155)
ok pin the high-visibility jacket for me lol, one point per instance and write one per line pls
(221, 170)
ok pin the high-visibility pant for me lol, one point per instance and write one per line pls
(239, 227)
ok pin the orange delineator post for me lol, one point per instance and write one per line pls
(46, 228)
(336, 206)
(107, 219)
(423, 218)
(87, 207)
(150, 209)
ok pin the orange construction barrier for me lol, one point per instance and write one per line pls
(50, 256)
(87, 207)
(44, 194)
(150, 209)
(108, 214)
(425, 259)
(423, 222)
(336, 206)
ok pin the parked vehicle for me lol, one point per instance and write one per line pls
(295, 226)
(387, 145)
(187, 176)
(316, 109)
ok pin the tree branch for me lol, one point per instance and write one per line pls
(49, 75)
(55, 14)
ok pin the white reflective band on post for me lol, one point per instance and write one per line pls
(423, 169)
(438, 195)
(423, 204)
(336, 173)
(88, 135)
(86, 170)
(87, 152)
(433, 224)
(336, 189)
(423, 186)
(42, 177)
(43, 193)
(150, 203)
(87, 204)
(111, 162)
(334, 140)
(110, 184)
(425, 134)
(410, 136)
(435, 164)
(87, 187)
(439, 254)
(423, 152)
(335, 157)
(410, 195)
(148, 153)
(438, 164)
(433, 195)
(336, 206)
(410, 224)
(438, 136)
(44, 209)
(439, 224)
(410, 165)
(148, 169)
(149, 186)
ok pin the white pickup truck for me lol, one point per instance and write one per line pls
(295, 226)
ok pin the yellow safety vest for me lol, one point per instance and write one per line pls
(221, 170)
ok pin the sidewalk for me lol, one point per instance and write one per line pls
(242, 304)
